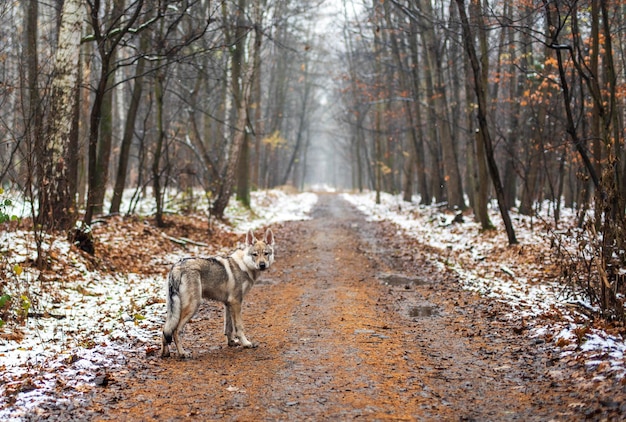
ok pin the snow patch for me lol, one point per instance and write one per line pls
(505, 277)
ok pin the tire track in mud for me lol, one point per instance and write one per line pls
(336, 343)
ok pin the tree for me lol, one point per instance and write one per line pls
(230, 170)
(416, 126)
(241, 85)
(32, 98)
(481, 96)
(107, 35)
(479, 161)
(56, 199)
(129, 129)
(607, 178)
(452, 175)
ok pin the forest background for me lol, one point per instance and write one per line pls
(464, 104)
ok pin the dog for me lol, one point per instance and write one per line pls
(224, 279)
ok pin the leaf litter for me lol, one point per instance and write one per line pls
(521, 276)
(87, 311)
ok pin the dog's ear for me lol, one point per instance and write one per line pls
(269, 237)
(250, 239)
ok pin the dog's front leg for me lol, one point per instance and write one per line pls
(228, 326)
(235, 314)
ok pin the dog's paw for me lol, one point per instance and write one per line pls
(185, 355)
(233, 342)
(251, 345)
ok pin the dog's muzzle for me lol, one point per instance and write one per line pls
(262, 266)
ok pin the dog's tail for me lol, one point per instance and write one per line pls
(173, 308)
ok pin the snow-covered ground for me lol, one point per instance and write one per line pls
(88, 323)
(485, 264)
(91, 317)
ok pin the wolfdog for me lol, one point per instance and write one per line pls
(224, 279)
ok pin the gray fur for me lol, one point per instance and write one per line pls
(223, 279)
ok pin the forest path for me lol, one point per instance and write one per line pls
(350, 324)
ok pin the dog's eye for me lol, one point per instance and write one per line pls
(255, 254)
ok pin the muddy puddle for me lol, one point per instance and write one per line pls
(423, 311)
(400, 280)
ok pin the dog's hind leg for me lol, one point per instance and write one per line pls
(173, 315)
(184, 318)
(191, 297)
(165, 347)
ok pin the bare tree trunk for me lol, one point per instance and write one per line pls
(478, 169)
(84, 113)
(228, 179)
(418, 137)
(243, 173)
(94, 131)
(129, 128)
(531, 175)
(405, 86)
(104, 147)
(302, 122)
(33, 115)
(357, 134)
(378, 148)
(516, 90)
(237, 63)
(481, 199)
(56, 207)
(452, 175)
(242, 83)
(160, 138)
(436, 179)
(73, 154)
(482, 121)
(100, 119)
(259, 126)
(33, 112)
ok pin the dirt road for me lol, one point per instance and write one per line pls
(353, 325)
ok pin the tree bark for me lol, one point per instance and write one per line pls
(129, 129)
(452, 175)
(258, 125)
(237, 63)
(417, 136)
(243, 173)
(33, 120)
(56, 207)
(230, 172)
(436, 179)
(100, 149)
(158, 150)
(481, 198)
(242, 88)
(482, 121)
(302, 122)
(30, 93)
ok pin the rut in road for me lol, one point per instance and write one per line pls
(337, 342)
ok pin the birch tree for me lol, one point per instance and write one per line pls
(56, 197)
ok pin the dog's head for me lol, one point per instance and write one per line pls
(259, 253)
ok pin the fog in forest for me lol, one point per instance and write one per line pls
(328, 164)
